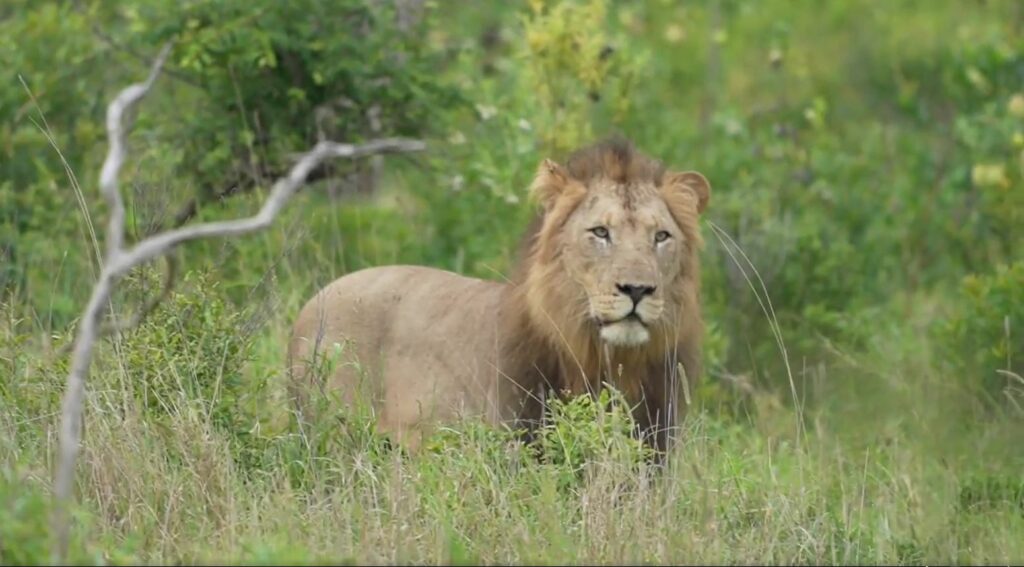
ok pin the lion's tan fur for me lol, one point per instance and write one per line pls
(438, 345)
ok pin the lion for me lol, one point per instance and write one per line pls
(606, 290)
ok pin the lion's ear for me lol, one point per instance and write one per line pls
(691, 182)
(551, 181)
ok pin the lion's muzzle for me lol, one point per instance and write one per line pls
(623, 318)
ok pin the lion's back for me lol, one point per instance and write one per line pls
(402, 331)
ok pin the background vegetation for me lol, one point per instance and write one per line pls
(868, 159)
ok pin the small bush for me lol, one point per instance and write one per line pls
(26, 534)
(24, 528)
(278, 76)
(584, 430)
(188, 356)
(985, 331)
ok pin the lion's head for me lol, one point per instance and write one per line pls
(616, 254)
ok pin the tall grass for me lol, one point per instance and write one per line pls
(164, 480)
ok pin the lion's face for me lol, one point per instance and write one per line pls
(624, 250)
(625, 234)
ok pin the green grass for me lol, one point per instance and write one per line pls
(896, 481)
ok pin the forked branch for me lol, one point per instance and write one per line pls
(119, 260)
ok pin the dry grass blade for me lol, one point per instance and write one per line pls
(769, 312)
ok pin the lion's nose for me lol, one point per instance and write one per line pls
(636, 292)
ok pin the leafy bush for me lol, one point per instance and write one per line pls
(276, 77)
(49, 48)
(585, 430)
(188, 356)
(984, 333)
(572, 63)
(579, 435)
(26, 536)
(24, 522)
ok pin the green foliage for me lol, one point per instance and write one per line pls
(51, 95)
(189, 349)
(982, 333)
(983, 492)
(24, 516)
(274, 77)
(577, 434)
(580, 73)
(583, 430)
(275, 551)
(248, 85)
(26, 536)
(992, 206)
(188, 356)
(571, 63)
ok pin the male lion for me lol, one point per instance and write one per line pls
(606, 290)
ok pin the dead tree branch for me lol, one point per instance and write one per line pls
(120, 260)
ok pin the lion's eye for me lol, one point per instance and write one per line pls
(600, 232)
(661, 236)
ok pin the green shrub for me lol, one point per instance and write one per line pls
(984, 332)
(275, 77)
(25, 527)
(574, 61)
(24, 522)
(188, 356)
(584, 430)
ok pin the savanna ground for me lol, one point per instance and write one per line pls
(863, 401)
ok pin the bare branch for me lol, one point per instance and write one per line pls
(71, 410)
(128, 98)
(190, 209)
(119, 261)
(279, 195)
